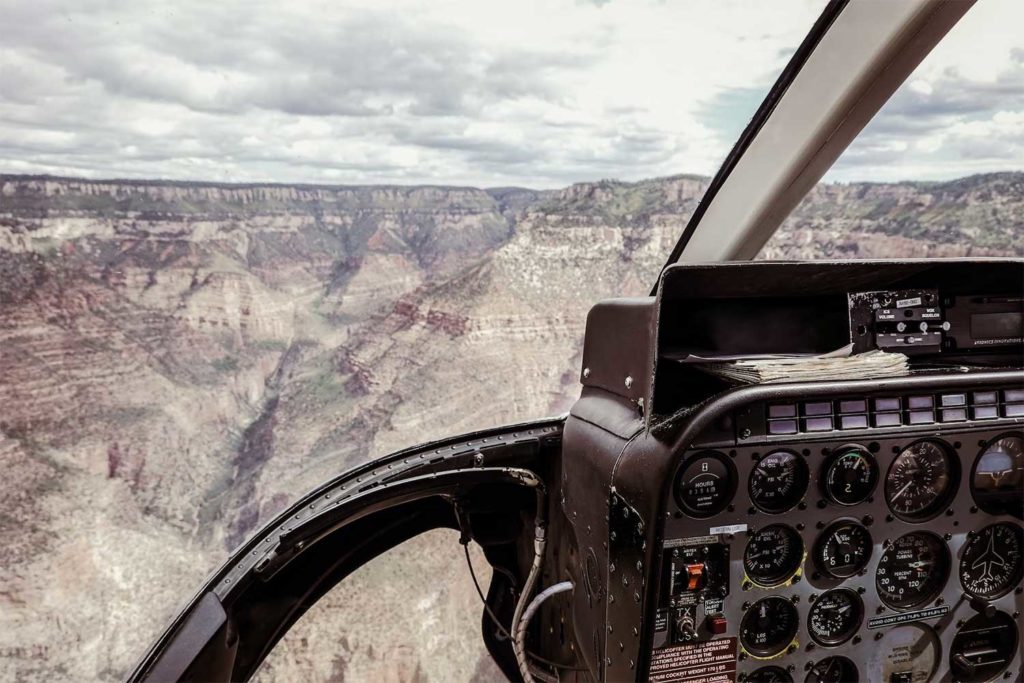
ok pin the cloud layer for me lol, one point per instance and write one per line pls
(538, 92)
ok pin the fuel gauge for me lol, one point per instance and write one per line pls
(768, 627)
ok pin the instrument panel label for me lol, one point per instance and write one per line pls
(712, 661)
(893, 619)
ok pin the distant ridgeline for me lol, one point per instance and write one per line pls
(977, 215)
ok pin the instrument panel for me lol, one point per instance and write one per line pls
(875, 554)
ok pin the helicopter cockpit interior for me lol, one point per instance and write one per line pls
(775, 471)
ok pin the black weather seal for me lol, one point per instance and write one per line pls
(796, 63)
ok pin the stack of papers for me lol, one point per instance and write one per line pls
(832, 366)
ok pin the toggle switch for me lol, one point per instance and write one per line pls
(695, 576)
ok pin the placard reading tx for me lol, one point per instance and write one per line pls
(712, 661)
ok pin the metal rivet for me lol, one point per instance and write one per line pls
(586, 372)
(629, 382)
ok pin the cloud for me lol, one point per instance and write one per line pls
(961, 112)
(538, 92)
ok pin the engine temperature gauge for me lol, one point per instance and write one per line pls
(843, 549)
(851, 475)
(835, 617)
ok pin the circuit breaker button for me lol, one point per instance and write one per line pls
(717, 624)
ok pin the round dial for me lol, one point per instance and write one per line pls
(705, 485)
(991, 564)
(843, 549)
(997, 479)
(769, 626)
(778, 481)
(833, 670)
(769, 674)
(773, 555)
(983, 648)
(912, 570)
(851, 475)
(910, 653)
(835, 617)
(920, 480)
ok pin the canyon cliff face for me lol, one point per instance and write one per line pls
(179, 362)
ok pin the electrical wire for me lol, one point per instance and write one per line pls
(503, 632)
(518, 647)
(535, 604)
(487, 608)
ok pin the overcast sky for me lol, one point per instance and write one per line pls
(539, 93)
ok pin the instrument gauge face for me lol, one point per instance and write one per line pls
(835, 617)
(769, 674)
(851, 476)
(913, 570)
(769, 626)
(842, 549)
(997, 478)
(705, 484)
(920, 481)
(991, 564)
(833, 670)
(773, 555)
(778, 481)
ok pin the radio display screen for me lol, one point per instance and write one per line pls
(997, 325)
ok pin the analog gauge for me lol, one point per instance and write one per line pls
(851, 475)
(773, 555)
(705, 485)
(909, 653)
(769, 674)
(991, 564)
(778, 481)
(997, 479)
(920, 481)
(835, 617)
(769, 627)
(843, 549)
(833, 670)
(983, 648)
(912, 570)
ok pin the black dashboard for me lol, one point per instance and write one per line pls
(888, 553)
